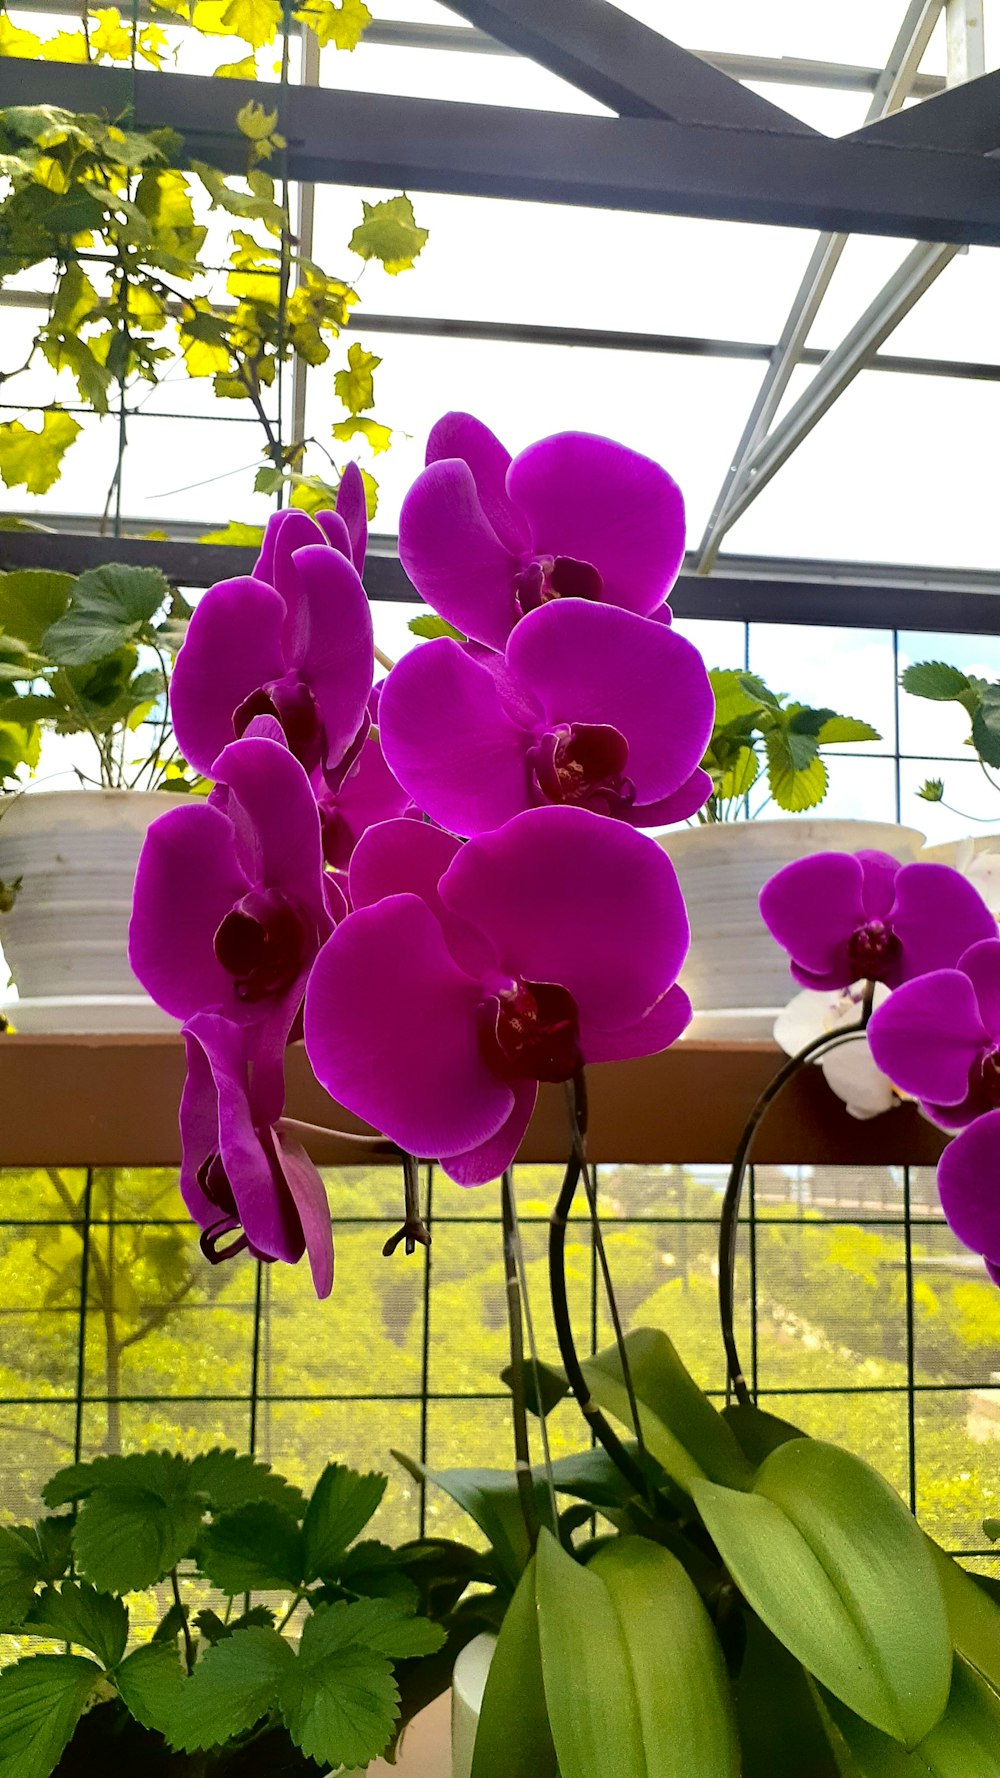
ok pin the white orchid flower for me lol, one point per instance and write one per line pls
(850, 1070)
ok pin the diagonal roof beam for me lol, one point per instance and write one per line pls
(894, 84)
(965, 118)
(623, 64)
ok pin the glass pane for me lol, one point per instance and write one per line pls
(926, 727)
(956, 1434)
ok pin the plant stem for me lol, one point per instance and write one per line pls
(413, 1231)
(729, 1221)
(292, 1609)
(188, 1644)
(522, 1450)
(558, 1222)
(597, 1236)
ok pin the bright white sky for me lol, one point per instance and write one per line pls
(904, 468)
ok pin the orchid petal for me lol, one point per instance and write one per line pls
(591, 663)
(186, 882)
(335, 533)
(452, 554)
(878, 890)
(850, 1072)
(352, 507)
(968, 1179)
(391, 1030)
(296, 531)
(308, 1193)
(929, 1035)
(598, 502)
(661, 1026)
(811, 908)
(981, 963)
(276, 821)
(572, 898)
(682, 803)
(401, 858)
(462, 435)
(199, 1124)
(450, 742)
(938, 915)
(335, 649)
(232, 648)
(477, 1166)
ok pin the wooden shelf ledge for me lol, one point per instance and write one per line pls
(112, 1101)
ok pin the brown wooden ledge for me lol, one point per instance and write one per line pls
(112, 1101)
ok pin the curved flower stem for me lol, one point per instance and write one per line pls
(729, 1221)
(522, 1449)
(558, 1222)
(414, 1231)
(597, 1236)
(295, 1126)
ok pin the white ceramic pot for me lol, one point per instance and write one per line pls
(736, 975)
(468, 1683)
(65, 939)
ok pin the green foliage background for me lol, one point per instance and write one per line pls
(170, 1357)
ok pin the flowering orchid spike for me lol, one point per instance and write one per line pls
(938, 1037)
(573, 712)
(486, 538)
(467, 974)
(297, 646)
(246, 1181)
(844, 917)
(367, 793)
(230, 905)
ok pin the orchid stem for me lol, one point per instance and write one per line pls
(374, 1144)
(597, 1236)
(522, 1450)
(413, 1232)
(558, 1223)
(185, 1630)
(529, 1327)
(384, 660)
(729, 1221)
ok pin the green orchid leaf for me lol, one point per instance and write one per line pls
(782, 1729)
(490, 1497)
(372, 1570)
(963, 1744)
(758, 1433)
(590, 1693)
(680, 1427)
(342, 1503)
(543, 1386)
(233, 1685)
(973, 1616)
(255, 1548)
(686, 1712)
(591, 1476)
(829, 1557)
(149, 1683)
(41, 1700)
(76, 1612)
(514, 1737)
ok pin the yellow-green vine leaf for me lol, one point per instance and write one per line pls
(111, 37)
(256, 21)
(151, 45)
(378, 436)
(33, 460)
(244, 536)
(245, 70)
(15, 42)
(340, 22)
(65, 46)
(389, 233)
(354, 386)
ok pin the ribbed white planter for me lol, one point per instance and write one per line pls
(736, 975)
(955, 852)
(468, 1684)
(65, 939)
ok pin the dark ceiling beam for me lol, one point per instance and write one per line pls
(966, 118)
(623, 64)
(618, 163)
(742, 589)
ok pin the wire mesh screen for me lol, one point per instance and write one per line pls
(862, 1320)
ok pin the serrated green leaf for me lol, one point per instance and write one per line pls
(41, 1699)
(430, 626)
(736, 695)
(150, 1681)
(342, 1503)
(838, 729)
(54, 1538)
(379, 1624)
(739, 776)
(828, 1556)
(76, 1612)
(372, 1569)
(936, 680)
(33, 459)
(378, 436)
(685, 1706)
(20, 1572)
(796, 776)
(255, 1548)
(986, 726)
(108, 608)
(355, 386)
(514, 1737)
(340, 22)
(590, 1693)
(129, 1538)
(245, 536)
(389, 233)
(164, 1473)
(932, 790)
(230, 1479)
(31, 599)
(339, 1705)
(680, 1427)
(232, 1687)
(214, 1628)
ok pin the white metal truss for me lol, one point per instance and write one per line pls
(763, 447)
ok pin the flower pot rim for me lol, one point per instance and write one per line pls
(805, 826)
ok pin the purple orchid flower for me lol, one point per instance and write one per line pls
(968, 1180)
(589, 705)
(246, 1181)
(345, 529)
(845, 916)
(296, 645)
(230, 905)
(486, 538)
(938, 1038)
(369, 793)
(469, 973)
